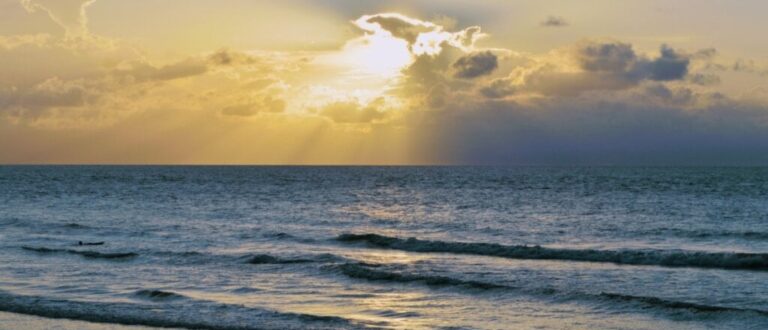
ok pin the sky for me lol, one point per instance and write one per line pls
(384, 82)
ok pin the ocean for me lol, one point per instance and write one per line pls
(246, 247)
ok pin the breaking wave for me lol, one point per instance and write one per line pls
(194, 315)
(722, 260)
(368, 272)
(375, 273)
(159, 295)
(260, 259)
(671, 304)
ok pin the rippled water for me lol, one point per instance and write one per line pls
(387, 247)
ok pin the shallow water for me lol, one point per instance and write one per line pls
(387, 247)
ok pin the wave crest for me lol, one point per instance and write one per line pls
(722, 260)
(194, 314)
(367, 272)
(158, 295)
(364, 271)
(260, 259)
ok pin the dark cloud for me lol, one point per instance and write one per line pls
(606, 57)
(603, 66)
(475, 65)
(554, 21)
(669, 66)
(620, 58)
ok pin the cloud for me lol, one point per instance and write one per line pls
(423, 37)
(258, 84)
(669, 66)
(680, 97)
(475, 65)
(705, 54)
(620, 58)
(704, 79)
(554, 21)
(595, 102)
(52, 93)
(706, 61)
(69, 14)
(598, 66)
(353, 112)
(268, 104)
(605, 56)
(12, 42)
(142, 71)
(428, 76)
(598, 102)
(227, 57)
(399, 26)
(499, 88)
(97, 83)
(750, 66)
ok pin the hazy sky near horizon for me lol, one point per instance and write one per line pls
(384, 82)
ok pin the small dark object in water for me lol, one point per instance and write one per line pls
(89, 243)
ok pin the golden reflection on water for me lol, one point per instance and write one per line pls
(388, 257)
(399, 206)
(393, 309)
(382, 309)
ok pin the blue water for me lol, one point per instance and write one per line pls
(387, 247)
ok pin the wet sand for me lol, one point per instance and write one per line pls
(12, 321)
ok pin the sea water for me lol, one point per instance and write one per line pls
(387, 247)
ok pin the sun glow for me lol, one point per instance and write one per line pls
(377, 54)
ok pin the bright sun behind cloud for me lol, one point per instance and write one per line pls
(377, 54)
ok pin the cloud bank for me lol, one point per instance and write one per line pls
(451, 100)
(596, 102)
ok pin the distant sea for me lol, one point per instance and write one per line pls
(387, 247)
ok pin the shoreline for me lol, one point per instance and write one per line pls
(10, 321)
